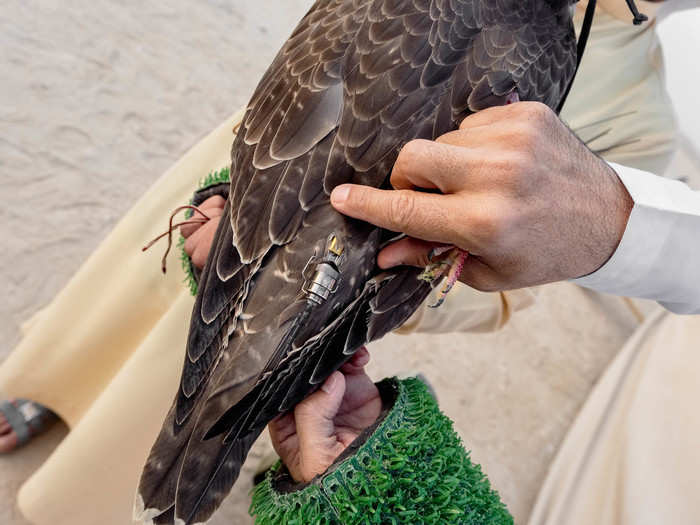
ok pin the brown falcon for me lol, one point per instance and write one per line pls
(291, 288)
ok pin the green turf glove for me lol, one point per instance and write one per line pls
(409, 467)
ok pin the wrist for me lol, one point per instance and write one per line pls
(607, 220)
(622, 204)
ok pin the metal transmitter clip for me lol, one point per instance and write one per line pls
(319, 285)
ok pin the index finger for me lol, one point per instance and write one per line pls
(425, 216)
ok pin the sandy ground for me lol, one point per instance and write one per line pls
(97, 99)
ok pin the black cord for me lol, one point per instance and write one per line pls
(585, 33)
(581, 47)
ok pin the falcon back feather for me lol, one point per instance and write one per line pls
(356, 81)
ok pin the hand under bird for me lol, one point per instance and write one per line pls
(291, 290)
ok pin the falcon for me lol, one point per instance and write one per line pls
(291, 288)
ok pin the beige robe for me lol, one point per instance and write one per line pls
(632, 457)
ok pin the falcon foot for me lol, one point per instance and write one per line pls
(449, 266)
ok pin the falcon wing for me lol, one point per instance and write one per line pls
(355, 82)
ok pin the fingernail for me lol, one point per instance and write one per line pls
(329, 384)
(340, 194)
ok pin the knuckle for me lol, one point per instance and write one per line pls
(508, 164)
(536, 109)
(464, 124)
(523, 157)
(481, 221)
(538, 114)
(449, 138)
(521, 164)
(410, 152)
(401, 208)
(492, 225)
(525, 133)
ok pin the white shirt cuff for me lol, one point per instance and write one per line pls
(659, 254)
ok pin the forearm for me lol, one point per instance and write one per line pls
(659, 255)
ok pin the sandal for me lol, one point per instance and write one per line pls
(26, 419)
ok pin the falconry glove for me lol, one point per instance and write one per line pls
(409, 467)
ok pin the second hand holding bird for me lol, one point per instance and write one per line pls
(321, 427)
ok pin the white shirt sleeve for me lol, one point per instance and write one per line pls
(659, 255)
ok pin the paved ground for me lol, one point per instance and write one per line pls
(99, 98)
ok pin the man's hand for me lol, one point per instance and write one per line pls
(321, 427)
(513, 186)
(199, 237)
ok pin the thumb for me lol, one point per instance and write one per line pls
(314, 416)
(407, 252)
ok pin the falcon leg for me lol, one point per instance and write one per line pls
(449, 267)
